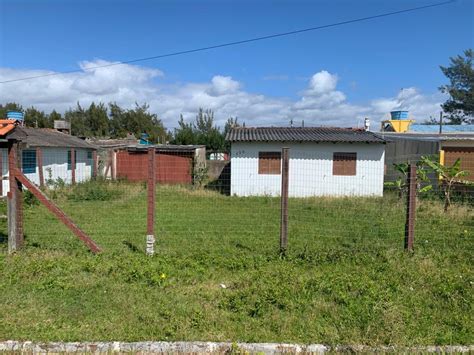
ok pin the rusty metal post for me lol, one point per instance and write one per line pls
(73, 166)
(39, 155)
(151, 182)
(284, 200)
(14, 201)
(95, 164)
(411, 208)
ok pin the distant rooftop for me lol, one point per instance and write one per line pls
(301, 134)
(424, 128)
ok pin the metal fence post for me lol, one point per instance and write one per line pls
(151, 182)
(411, 208)
(284, 200)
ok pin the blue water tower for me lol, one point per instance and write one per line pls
(15, 115)
(144, 139)
(399, 115)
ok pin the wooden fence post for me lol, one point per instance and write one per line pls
(39, 155)
(284, 200)
(14, 201)
(95, 164)
(1, 172)
(73, 166)
(151, 182)
(411, 208)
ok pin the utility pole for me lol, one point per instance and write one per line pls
(440, 122)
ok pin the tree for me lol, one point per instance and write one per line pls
(185, 133)
(231, 123)
(55, 116)
(460, 105)
(97, 120)
(36, 118)
(77, 118)
(9, 106)
(137, 121)
(201, 131)
(450, 175)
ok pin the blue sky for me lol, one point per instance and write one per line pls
(370, 61)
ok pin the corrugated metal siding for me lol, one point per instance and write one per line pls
(170, 168)
(466, 154)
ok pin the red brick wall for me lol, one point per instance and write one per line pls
(171, 168)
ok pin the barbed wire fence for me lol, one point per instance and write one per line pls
(157, 199)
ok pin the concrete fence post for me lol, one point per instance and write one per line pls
(151, 198)
(284, 200)
(411, 208)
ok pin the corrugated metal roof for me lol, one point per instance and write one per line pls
(301, 134)
(434, 137)
(446, 128)
(46, 137)
(164, 147)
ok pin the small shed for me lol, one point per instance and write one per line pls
(50, 155)
(127, 159)
(323, 161)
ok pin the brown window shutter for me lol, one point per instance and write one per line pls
(269, 163)
(344, 164)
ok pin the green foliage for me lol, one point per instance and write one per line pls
(200, 175)
(90, 122)
(36, 118)
(203, 131)
(460, 105)
(401, 183)
(450, 175)
(9, 106)
(29, 199)
(136, 121)
(94, 190)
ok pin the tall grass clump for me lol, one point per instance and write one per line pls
(94, 190)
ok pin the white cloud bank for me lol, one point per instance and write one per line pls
(320, 103)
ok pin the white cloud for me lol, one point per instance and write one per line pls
(322, 82)
(320, 103)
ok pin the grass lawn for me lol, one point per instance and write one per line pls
(345, 280)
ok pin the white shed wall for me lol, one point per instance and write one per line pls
(54, 166)
(310, 170)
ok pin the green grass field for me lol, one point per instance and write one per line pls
(345, 279)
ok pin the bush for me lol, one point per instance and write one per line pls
(94, 191)
(29, 199)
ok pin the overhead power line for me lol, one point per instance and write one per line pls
(228, 44)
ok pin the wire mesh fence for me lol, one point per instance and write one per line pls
(338, 199)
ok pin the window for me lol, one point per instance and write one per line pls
(344, 164)
(28, 161)
(89, 157)
(269, 163)
(69, 162)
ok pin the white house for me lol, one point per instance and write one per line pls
(322, 161)
(53, 150)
